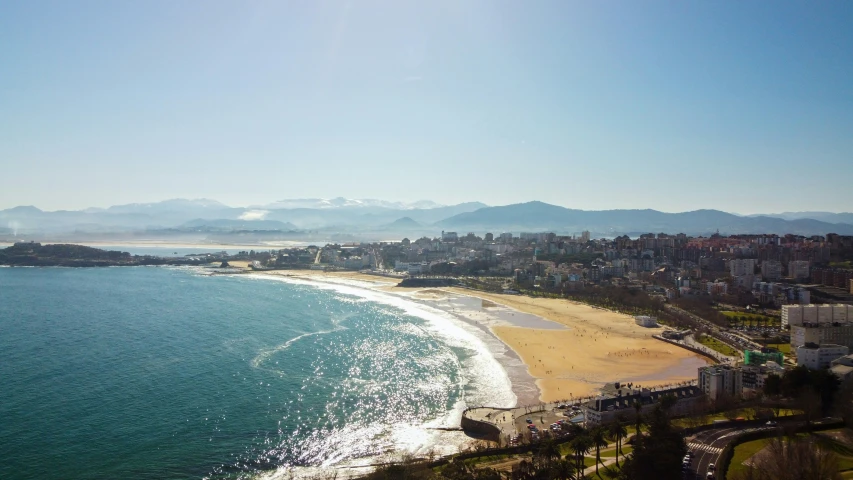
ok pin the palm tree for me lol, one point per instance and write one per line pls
(613, 473)
(548, 452)
(598, 435)
(580, 445)
(564, 470)
(524, 470)
(618, 431)
(639, 419)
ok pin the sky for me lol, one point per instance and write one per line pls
(745, 107)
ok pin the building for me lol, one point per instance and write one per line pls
(816, 357)
(619, 399)
(837, 334)
(824, 314)
(771, 270)
(843, 368)
(717, 288)
(780, 293)
(760, 357)
(449, 237)
(646, 321)
(742, 266)
(754, 376)
(798, 269)
(585, 236)
(719, 381)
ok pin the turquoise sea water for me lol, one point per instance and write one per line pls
(170, 373)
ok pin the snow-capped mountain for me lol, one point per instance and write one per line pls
(340, 202)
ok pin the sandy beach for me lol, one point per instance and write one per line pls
(595, 347)
(599, 347)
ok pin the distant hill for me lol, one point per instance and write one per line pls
(366, 215)
(539, 216)
(342, 214)
(223, 224)
(828, 217)
(405, 223)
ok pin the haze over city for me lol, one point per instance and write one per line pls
(741, 107)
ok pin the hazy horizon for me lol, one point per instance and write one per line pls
(739, 107)
(404, 205)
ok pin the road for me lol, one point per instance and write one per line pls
(707, 447)
(714, 330)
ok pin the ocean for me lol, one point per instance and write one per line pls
(173, 373)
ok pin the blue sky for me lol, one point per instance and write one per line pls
(739, 106)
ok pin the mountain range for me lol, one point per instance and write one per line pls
(369, 218)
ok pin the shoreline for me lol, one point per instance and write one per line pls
(460, 307)
(570, 352)
(599, 347)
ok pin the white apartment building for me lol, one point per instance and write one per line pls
(771, 270)
(742, 266)
(823, 314)
(721, 380)
(798, 269)
(816, 357)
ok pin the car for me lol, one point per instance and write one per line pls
(771, 423)
(710, 476)
(711, 467)
(529, 421)
(689, 454)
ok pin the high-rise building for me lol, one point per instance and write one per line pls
(798, 269)
(816, 315)
(742, 266)
(717, 381)
(771, 270)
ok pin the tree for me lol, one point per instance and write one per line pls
(793, 458)
(547, 452)
(617, 430)
(660, 453)
(523, 470)
(563, 470)
(667, 402)
(638, 420)
(580, 446)
(773, 385)
(598, 435)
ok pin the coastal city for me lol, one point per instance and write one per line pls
(426, 240)
(764, 321)
(761, 308)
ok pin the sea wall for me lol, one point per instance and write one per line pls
(428, 282)
(481, 428)
(688, 347)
